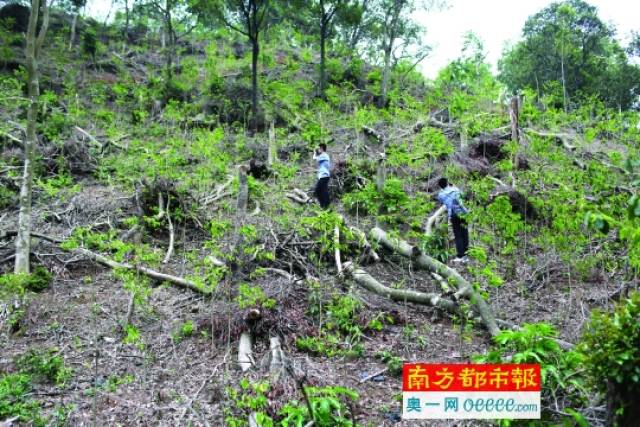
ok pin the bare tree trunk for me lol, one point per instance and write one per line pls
(127, 17)
(323, 54)
(514, 114)
(386, 71)
(254, 83)
(23, 239)
(272, 150)
(72, 39)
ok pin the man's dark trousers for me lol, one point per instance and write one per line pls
(461, 235)
(322, 192)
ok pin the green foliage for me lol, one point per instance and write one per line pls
(16, 284)
(248, 398)
(323, 225)
(14, 400)
(611, 348)
(115, 381)
(568, 39)
(506, 224)
(185, 330)
(536, 343)
(132, 336)
(253, 297)
(330, 408)
(393, 362)
(90, 42)
(341, 331)
(393, 204)
(44, 365)
(59, 185)
(108, 242)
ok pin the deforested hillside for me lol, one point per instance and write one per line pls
(165, 260)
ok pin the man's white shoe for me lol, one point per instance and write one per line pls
(462, 260)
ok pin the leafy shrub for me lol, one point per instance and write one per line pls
(391, 201)
(39, 280)
(335, 70)
(45, 365)
(324, 224)
(14, 389)
(253, 296)
(536, 343)
(90, 43)
(329, 408)
(611, 347)
(341, 332)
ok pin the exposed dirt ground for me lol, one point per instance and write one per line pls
(164, 381)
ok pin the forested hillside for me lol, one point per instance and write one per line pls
(165, 262)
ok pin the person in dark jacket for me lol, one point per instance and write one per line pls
(450, 197)
(324, 173)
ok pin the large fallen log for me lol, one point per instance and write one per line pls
(465, 289)
(368, 282)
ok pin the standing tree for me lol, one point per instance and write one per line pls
(34, 45)
(394, 21)
(173, 15)
(247, 17)
(77, 5)
(325, 10)
(569, 53)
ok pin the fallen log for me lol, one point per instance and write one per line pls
(371, 132)
(101, 259)
(299, 196)
(563, 138)
(465, 289)
(365, 280)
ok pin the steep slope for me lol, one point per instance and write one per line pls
(130, 163)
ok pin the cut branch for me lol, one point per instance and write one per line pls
(101, 259)
(364, 243)
(336, 248)
(220, 192)
(171, 234)
(563, 138)
(298, 196)
(371, 132)
(428, 229)
(90, 137)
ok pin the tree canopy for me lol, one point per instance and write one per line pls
(570, 54)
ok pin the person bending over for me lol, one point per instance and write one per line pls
(450, 197)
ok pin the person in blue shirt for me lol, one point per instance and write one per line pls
(324, 173)
(450, 197)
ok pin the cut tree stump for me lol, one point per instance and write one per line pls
(245, 351)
